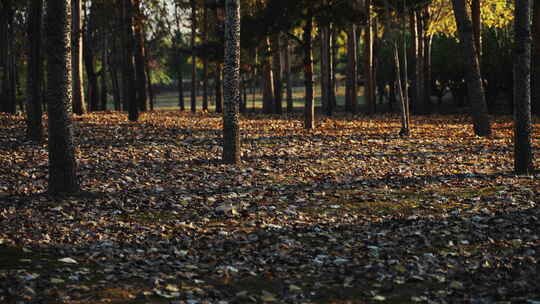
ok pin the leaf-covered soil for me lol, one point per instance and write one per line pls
(348, 213)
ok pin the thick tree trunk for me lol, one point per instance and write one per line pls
(34, 126)
(140, 60)
(231, 116)
(309, 106)
(128, 70)
(351, 101)
(193, 57)
(288, 76)
(62, 166)
(480, 117)
(79, 107)
(276, 70)
(523, 163)
(536, 59)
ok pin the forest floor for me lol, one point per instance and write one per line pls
(347, 213)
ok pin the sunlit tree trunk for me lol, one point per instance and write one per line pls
(480, 117)
(309, 106)
(477, 26)
(369, 80)
(231, 116)
(523, 163)
(276, 71)
(62, 166)
(267, 78)
(34, 126)
(77, 57)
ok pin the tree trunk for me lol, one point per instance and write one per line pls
(325, 69)
(523, 163)
(369, 81)
(89, 62)
(288, 76)
(334, 57)
(218, 89)
(181, 101)
(8, 86)
(128, 69)
(480, 117)
(62, 166)
(309, 107)
(477, 26)
(536, 59)
(140, 60)
(267, 78)
(193, 57)
(34, 126)
(79, 107)
(427, 73)
(351, 101)
(401, 91)
(276, 70)
(205, 59)
(231, 116)
(150, 86)
(103, 76)
(420, 60)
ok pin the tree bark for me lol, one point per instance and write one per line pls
(523, 163)
(8, 86)
(79, 106)
(477, 26)
(480, 117)
(309, 106)
(62, 166)
(205, 59)
(89, 62)
(34, 126)
(231, 116)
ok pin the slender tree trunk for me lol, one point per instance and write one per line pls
(481, 121)
(369, 81)
(34, 126)
(309, 107)
(181, 101)
(218, 89)
(288, 76)
(523, 163)
(536, 59)
(79, 107)
(193, 57)
(62, 166)
(267, 78)
(151, 94)
(231, 116)
(205, 59)
(325, 69)
(420, 76)
(351, 102)
(334, 58)
(402, 94)
(276, 70)
(427, 73)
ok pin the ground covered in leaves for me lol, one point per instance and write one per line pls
(348, 213)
